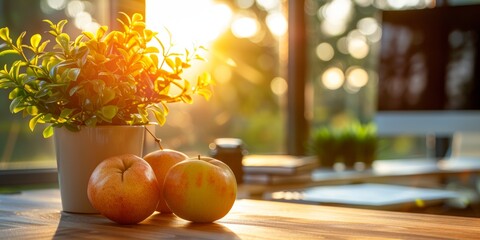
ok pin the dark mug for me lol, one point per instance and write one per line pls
(231, 152)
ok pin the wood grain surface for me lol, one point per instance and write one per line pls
(38, 215)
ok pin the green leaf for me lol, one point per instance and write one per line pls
(73, 73)
(47, 117)
(42, 93)
(108, 95)
(66, 112)
(32, 110)
(91, 122)
(48, 131)
(7, 84)
(73, 90)
(14, 93)
(27, 79)
(53, 71)
(16, 105)
(109, 111)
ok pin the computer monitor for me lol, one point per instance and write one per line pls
(429, 71)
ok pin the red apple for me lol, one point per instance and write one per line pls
(124, 189)
(200, 189)
(161, 161)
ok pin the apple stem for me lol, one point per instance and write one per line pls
(157, 140)
(198, 156)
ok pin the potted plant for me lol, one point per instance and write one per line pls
(356, 143)
(93, 85)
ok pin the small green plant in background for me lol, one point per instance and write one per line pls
(355, 143)
(106, 78)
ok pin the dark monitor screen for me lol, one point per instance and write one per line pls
(430, 59)
(429, 71)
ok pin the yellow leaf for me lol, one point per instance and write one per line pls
(20, 39)
(137, 17)
(187, 99)
(35, 40)
(178, 63)
(101, 32)
(4, 33)
(159, 113)
(33, 122)
(89, 35)
(170, 63)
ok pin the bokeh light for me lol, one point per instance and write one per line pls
(334, 16)
(74, 7)
(357, 77)
(57, 4)
(279, 86)
(244, 27)
(367, 26)
(357, 45)
(333, 78)
(82, 19)
(244, 3)
(201, 22)
(342, 45)
(324, 51)
(277, 23)
(268, 5)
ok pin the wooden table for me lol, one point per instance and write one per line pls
(37, 215)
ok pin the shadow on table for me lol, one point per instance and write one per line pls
(157, 226)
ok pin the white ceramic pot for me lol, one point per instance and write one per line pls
(78, 153)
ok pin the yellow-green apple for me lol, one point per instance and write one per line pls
(124, 189)
(161, 161)
(200, 189)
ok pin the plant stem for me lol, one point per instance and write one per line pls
(157, 140)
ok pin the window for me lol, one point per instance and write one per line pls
(260, 97)
(244, 39)
(244, 61)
